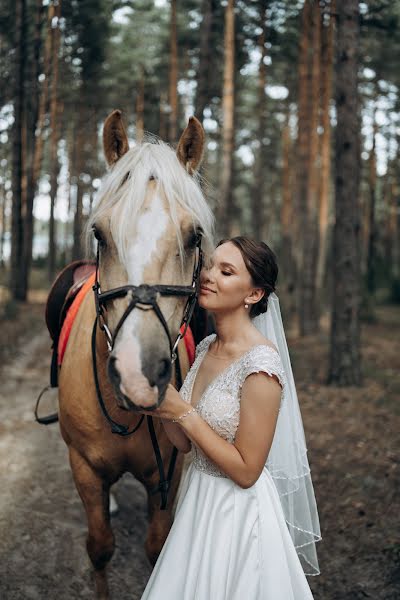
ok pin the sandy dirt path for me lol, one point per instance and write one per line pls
(42, 523)
(352, 435)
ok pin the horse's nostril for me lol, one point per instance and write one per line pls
(113, 371)
(164, 369)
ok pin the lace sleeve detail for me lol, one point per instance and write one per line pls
(204, 344)
(262, 359)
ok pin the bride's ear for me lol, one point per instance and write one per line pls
(255, 296)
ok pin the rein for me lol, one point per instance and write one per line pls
(144, 297)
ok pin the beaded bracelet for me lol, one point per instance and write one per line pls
(185, 414)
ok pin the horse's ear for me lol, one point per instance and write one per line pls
(115, 140)
(191, 145)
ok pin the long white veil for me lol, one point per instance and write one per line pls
(287, 460)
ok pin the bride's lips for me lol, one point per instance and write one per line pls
(206, 290)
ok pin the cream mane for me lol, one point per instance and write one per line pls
(124, 187)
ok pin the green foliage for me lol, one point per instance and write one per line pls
(109, 46)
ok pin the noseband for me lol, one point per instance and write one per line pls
(144, 297)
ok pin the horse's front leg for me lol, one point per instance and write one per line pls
(94, 492)
(160, 521)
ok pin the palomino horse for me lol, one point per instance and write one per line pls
(149, 215)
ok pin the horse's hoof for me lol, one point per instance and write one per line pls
(114, 508)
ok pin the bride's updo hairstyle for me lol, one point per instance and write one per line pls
(261, 263)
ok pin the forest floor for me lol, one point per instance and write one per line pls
(351, 435)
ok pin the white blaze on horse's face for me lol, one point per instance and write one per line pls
(140, 382)
(152, 224)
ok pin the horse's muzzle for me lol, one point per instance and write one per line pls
(139, 392)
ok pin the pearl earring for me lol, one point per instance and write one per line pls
(246, 306)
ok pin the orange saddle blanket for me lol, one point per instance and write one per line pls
(73, 311)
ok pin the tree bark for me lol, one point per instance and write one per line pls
(3, 204)
(392, 225)
(308, 313)
(225, 207)
(173, 77)
(140, 108)
(77, 250)
(303, 127)
(37, 156)
(345, 359)
(258, 208)
(16, 282)
(54, 137)
(371, 239)
(286, 218)
(163, 129)
(325, 171)
(203, 87)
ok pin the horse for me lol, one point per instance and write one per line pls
(149, 216)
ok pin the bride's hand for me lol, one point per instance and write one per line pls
(172, 407)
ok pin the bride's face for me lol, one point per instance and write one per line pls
(226, 282)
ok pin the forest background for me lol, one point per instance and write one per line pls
(300, 101)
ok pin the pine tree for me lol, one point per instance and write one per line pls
(345, 359)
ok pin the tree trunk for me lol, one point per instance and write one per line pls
(286, 218)
(54, 136)
(371, 240)
(203, 86)
(258, 208)
(173, 77)
(3, 203)
(225, 207)
(37, 155)
(163, 129)
(308, 312)
(325, 170)
(140, 108)
(77, 250)
(394, 232)
(303, 128)
(392, 244)
(16, 282)
(345, 359)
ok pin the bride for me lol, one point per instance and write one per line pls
(246, 521)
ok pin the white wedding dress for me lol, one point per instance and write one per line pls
(227, 543)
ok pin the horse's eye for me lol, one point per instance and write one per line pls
(194, 239)
(98, 236)
(125, 178)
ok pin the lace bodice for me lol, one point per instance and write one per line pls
(219, 405)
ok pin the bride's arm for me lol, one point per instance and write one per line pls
(176, 436)
(244, 460)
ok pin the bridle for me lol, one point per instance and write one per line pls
(144, 297)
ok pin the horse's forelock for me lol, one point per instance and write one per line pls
(124, 188)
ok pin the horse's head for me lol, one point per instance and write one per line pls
(147, 220)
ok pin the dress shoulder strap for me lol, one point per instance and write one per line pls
(265, 359)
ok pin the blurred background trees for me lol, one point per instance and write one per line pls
(266, 79)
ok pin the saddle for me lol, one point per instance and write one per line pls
(62, 294)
